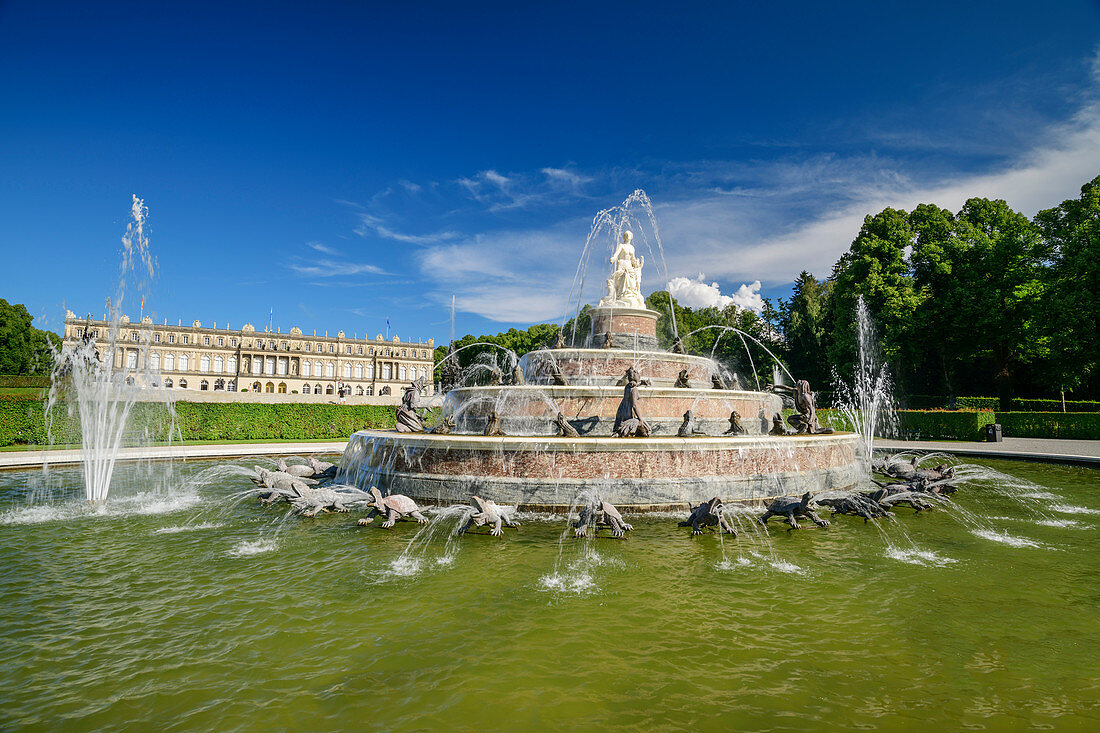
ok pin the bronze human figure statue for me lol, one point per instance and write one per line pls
(804, 421)
(682, 380)
(608, 342)
(678, 346)
(517, 375)
(777, 426)
(408, 419)
(716, 381)
(559, 340)
(444, 427)
(565, 430)
(628, 419)
(493, 428)
(449, 371)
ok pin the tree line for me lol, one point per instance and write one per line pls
(24, 349)
(982, 301)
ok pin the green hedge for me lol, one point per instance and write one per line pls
(1054, 406)
(22, 421)
(1077, 425)
(24, 380)
(943, 424)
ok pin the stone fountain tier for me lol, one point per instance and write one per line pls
(590, 409)
(649, 474)
(630, 328)
(607, 366)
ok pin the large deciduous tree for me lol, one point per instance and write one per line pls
(803, 320)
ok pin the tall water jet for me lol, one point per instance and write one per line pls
(100, 378)
(868, 402)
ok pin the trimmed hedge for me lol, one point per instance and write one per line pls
(1054, 406)
(22, 421)
(24, 380)
(1075, 425)
(943, 424)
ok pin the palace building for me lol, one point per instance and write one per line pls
(212, 359)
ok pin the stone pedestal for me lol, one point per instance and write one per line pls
(629, 327)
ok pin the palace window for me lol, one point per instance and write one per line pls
(219, 385)
(360, 351)
(171, 338)
(183, 365)
(370, 371)
(221, 341)
(358, 371)
(231, 387)
(404, 373)
(305, 369)
(284, 346)
(370, 389)
(271, 345)
(347, 370)
(269, 365)
(404, 352)
(133, 335)
(332, 348)
(233, 342)
(169, 362)
(204, 385)
(305, 389)
(359, 391)
(154, 360)
(329, 390)
(257, 365)
(183, 384)
(168, 383)
(318, 370)
(317, 389)
(348, 349)
(131, 359)
(309, 347)
(204, 363)
(330, 370)
(387, 371)
(185, 339)
(256, 387)
(282, 387)
(156, 338)
(283, 361)
(269, 388)
(371, 351)
(205, 340)
(232, 365)
(219, 365)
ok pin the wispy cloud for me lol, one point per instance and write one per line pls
(323, 248)
(371, 224)
(334, 268)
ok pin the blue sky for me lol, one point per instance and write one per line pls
(345, 163)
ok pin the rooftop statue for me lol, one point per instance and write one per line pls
(624, 287)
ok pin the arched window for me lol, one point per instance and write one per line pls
(359, 391)
(168, 383)
(404, 373)
(219, 385)
(423, 372)
(232, 365)
(219, 365)
(330, 370)
(318, 369)
(183, 365)
(329, 390)
(131, 359)
(384, 391)
(347, 370)
(305, 389)
(370, 371)
(183, 384)
(204, 385)
(169, 362)
(154, 360)
(129, 381)
(387, 371)
(282, 387)
(204, 363)
(231, 387)
(257, 365)
(269, 365)
(317, 389)
(269, 387)
(370, 389)
(358, 371)
(305, 369)
(255, 386)
(283, 364)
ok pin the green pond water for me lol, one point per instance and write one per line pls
(187, 610)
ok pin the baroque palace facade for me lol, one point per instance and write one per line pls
(223, 360)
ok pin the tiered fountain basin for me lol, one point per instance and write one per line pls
(635, 474)
(607, 366)
(531, 409)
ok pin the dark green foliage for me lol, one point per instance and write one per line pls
(24, 349)
(521, 342)
(1055, 405)
(22, 421)
(1073, 425)
(943, 425)
(804, 321)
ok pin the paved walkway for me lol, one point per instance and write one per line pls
(35, 458)
(1080, 452)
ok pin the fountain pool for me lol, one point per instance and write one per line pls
(191, 610)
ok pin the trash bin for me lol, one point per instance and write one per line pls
(993, 433)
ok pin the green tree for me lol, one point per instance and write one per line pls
(1072, 301)
(803, 320)
(24, 349)
(876, 268)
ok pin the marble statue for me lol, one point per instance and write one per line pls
(624, 287)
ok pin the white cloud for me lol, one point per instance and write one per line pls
(332, 268)
(323, 248)
(699, 294)
(370, 224)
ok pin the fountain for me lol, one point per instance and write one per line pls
(539, 441)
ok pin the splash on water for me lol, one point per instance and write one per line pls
(248, 548)
(1005, 538)
(578, 583)
(188, 528)
(137, 505)
(914, 556)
